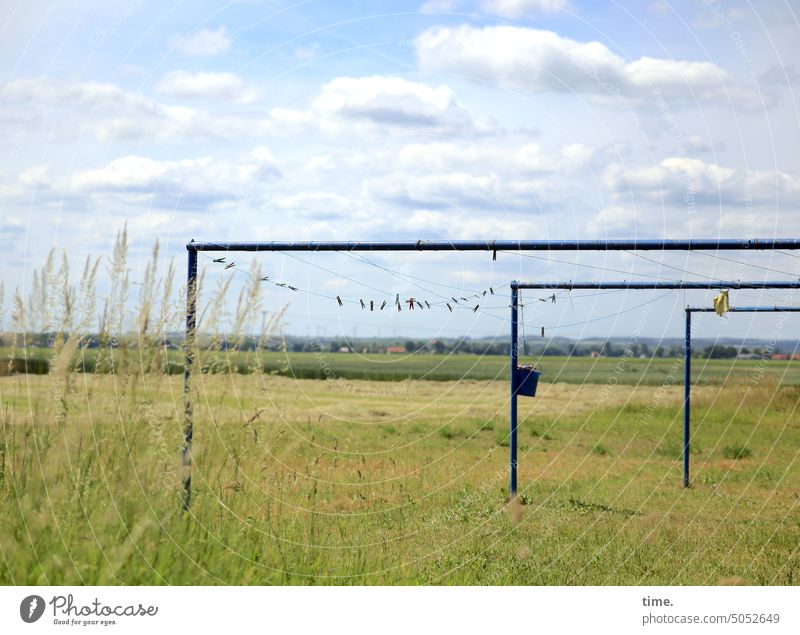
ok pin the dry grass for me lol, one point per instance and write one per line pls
(298, 481)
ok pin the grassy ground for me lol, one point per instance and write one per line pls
(363, 482)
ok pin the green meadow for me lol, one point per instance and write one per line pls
(352, 481)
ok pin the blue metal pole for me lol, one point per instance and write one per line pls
(687, 378)
(698, 244)
(190, 346)
(680, 284)
(687, 388)
(748, 309)
(513, 419)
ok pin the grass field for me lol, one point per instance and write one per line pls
(574, 370)
(349, 481)
(381, 367)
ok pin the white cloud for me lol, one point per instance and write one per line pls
(208, 86)
(320, 163)
(464, 226)
(379, 102)
(487, 175)
(100, 108)
(522, 8)
(319, 205)
(345, 105)
(184, 183)
(204, 42)
(660, 8)
(701, 143)
(614, 220)
(523, 158)
(512, 9)
(439, 6)
(307, 52)
(715, 16)
(110, 113)
(543, 61)
(686, 182)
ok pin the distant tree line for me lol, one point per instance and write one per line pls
(438, 346)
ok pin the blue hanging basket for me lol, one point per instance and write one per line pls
(527, 380)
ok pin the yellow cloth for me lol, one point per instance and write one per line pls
(721, 304)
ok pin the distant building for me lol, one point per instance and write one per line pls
(785, 357)
(344, 349)
(390, 350)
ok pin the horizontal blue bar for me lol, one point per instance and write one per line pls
(746, 309)
(680, 284)
(506, 245)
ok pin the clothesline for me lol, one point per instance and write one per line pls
(413, 303)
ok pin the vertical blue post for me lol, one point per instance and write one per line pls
(687, 389)
(514, 357)
(190, 345)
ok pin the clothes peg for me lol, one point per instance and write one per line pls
(383, 305)
(454, 300)
(219, 259)
(265, 278)
(419, 305)
(228, 266)
(449, 307)
(475, 310)
(371, 305)
(484, 292)
(339, 300)
(427, 304)
(363, 306)
(542, 331)
(491, 290)
(292, 288)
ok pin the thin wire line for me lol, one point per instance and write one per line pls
(663, 264)
(746, 264)
(338, 274)
(787, 253)
(606, 317)
(580, 264)
(408, 275)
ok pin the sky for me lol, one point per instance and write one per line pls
(445, 119)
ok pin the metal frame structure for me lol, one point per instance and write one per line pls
(736, 244)
(718, 284)
(687, 373)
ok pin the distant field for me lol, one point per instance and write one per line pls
(573, 370)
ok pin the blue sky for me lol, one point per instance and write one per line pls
(448, 119)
